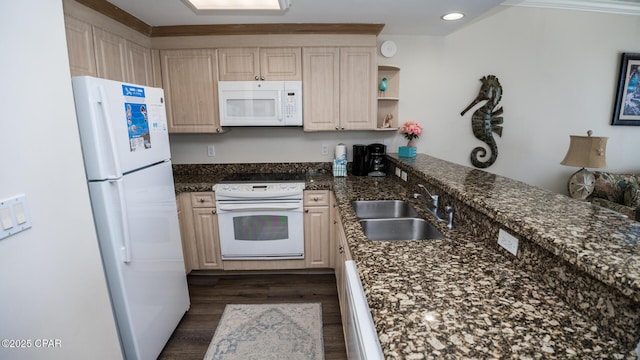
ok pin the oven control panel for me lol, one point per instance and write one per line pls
(258, 189)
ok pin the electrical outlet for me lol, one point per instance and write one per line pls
(508, 241)
(403, 175)
(398, 172)
(211, 150)
(325, 149)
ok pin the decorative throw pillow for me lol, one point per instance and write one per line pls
(632, 195)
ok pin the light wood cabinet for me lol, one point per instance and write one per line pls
(357, 88)
(321, 88)
(187, 235)
(199, 231)
(205, 224)
(190, 82)
(82, 58)
(260, 64)
(139, 68)
(97, 52)
(389, 98)
(339, 88)
(341, 254)
(317, 234)
(111, 58)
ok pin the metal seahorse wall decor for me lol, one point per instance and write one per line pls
(485, 121)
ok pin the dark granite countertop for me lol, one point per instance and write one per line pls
(599, 241)
(456, 298)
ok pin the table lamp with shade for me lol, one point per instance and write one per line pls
(585, 152)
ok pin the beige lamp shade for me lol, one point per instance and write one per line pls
(586, 152)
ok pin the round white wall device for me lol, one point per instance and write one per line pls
(388, 49)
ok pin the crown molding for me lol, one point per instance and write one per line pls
(606, 6)
(106, 8)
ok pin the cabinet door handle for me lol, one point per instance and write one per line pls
(201, 200)
(218, 130)
(261, 77)
(256, 77)
(213, 212)
(306, 211)
(337, 128)
(316, 198)
(341, 250)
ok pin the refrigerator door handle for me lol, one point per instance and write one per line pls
(126, 239)
(102, 102)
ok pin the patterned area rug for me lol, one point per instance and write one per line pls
(268, 332)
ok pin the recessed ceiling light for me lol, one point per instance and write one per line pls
(240, 4)
(452, 16)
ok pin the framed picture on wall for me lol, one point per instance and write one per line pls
(627, 106)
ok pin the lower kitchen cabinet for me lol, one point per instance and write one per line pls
(199, 231)
(317, 234)
(201, 241)
(185, 217)
(205, 225)
(205, 222)
(341, 255)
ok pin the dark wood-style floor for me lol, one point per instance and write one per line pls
(210, 293)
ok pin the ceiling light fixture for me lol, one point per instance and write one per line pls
(452, 16)
(240, 4)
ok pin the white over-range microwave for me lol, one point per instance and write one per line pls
(260, 103)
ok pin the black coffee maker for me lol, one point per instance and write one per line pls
(376, 154)
(360, 164)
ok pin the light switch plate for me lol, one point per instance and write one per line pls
(15, 216)
(403, 175)
(398, 172)
(211, 151)
(508, 241)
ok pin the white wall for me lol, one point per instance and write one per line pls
(558, 70)
(263, 145)
(51, 276)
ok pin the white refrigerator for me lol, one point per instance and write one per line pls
(125, 143)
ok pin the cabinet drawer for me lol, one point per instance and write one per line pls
(203, 199)
(316, 198)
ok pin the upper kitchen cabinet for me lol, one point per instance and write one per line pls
(260, 64)
(82, 59)
(321, 88)
(139, 69)
(189, 78)
(339, 88)
(111, 55)
(106, 49)
(357, 88)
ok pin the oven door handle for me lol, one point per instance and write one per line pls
(222, 195)
(258, 207)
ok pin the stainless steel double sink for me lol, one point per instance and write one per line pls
(389, 220)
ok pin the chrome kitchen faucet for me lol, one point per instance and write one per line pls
(433, 208)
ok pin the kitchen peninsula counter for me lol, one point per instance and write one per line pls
(457, 297)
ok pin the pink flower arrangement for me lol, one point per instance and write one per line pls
(411, 130)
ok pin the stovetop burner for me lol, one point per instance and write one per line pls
(263, 177)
